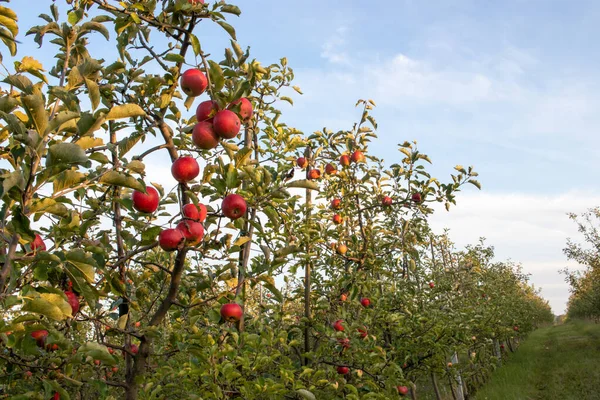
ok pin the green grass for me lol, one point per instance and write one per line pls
(557, 362)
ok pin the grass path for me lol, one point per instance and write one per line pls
(557, 362)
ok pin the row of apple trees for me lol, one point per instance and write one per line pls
(276, 264)
(584, 301)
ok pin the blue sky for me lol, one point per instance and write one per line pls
(510, 87)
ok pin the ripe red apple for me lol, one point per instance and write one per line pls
(337, 325)
(193, 82)
(501, 347)
(314, 174)
(402, 390)
(343, 297)
(246, 110)
(205, 110)
(301, 162)
(193, 212)
(344, 342)
(357, 157)
(386, 201)
(363, 333)
(416, 197)
(336, 203)
(184, 169)
(38, 244)
(52, 347)
(192, 231)
(204, 136)
(28, 374)
(231, 312)
(56, 396)
(195, 2)
(365, 302)
(343, 370)
(515, 328)
(134, 348)
(226, 124)
(40, 337)
(337, 219)
(137, 324)
(233, 206)
(170, 239)
(73, 302)
(431, 285)
(111, 350)
(97, 362)
(330, 169)
(145, 202)
(345, 160)
(114, 369)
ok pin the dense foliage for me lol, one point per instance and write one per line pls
(585, 284)
(345, 290)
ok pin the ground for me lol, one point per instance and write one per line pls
(556, 362)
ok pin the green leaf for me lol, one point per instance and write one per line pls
(228, 28)
(216, 76)
(65, 153)
(125, 111)
(59, 119)
(35, 107)
(174, 57)
(50, 206)
(241, 240)
(94, 92)
(97, 351)
(84, 262)
(303, 183)
(67, 179)
(305, 394)
(475, 183)
(115, 178)
(231, 9)
(51, 305)
(195, 44)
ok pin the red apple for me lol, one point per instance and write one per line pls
(386, 201)
(357, 157)
(205, 110)
(416, 197)
(73, 302)
(336, 203)
(204, 136)
(56, 396)
(314, 174)
(114, 369)
(195, 2)
(38, 244)
(28, 374)
(337, 219)
(231, 312)
(246, 110)
(193, 212)
(402, 390)
(343, 297)
(342, 248)
(111, 350)
(184, 169)
(192, 231)
(330, 169)
(363, 332)
(226, 124)
(97, 362)
(193, 82)
(170, 239)
(301, 162)
(501, 347)
(145, 202)
(234, 206)
(343, 370)
(137, 324)
(345, 160)
(344, 342)
(515, 328)
(40, 337)
(134, 348)
(365, 302)
(431, 285)
(337, 325)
